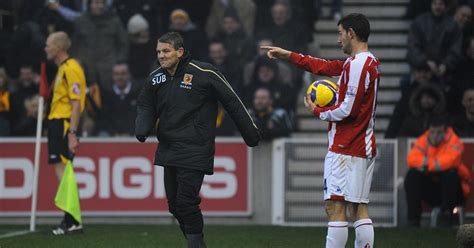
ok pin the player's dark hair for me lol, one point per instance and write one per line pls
(359, 23)
(439, 120)
(173, 38)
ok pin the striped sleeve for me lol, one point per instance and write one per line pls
(356, 75)
(318, 66)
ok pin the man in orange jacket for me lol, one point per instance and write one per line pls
(437, 174)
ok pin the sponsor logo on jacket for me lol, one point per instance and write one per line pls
(186, 83)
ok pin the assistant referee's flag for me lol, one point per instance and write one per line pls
(67, 197)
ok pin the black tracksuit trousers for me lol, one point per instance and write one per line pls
(439, 189)
(182, 188)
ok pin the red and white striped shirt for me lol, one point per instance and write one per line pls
(352, 119)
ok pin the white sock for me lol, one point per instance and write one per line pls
(364, 232)
(337, 234)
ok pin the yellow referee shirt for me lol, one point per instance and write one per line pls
(70, 84)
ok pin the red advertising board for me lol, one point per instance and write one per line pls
(117, 177)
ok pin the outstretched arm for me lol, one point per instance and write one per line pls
(314, 65)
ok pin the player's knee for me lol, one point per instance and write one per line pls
(352, 211)
(362, 211)
(336, 210)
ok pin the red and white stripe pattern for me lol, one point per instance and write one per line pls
(352, 119)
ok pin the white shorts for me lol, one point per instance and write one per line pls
(347, 178)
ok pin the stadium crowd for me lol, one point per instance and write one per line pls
(441, 58)
(115, 41)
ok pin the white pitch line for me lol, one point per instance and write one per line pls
(13, 234)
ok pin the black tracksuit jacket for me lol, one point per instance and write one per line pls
(186, 106)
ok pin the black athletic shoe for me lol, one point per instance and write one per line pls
(63, 229)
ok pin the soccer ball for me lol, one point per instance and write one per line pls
(323, 93)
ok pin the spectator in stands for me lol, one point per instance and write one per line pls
(147, 9)
(285, 71)
(236, 41)
(26, 124)
(25, 47)
(4, 104)
(463, 17)
(284, 31)
(119, 106)
(421, 76)
(463, 79)
(463, 123)
(245, 11)
(195, 37)
(99, 42)
(198, 10)
(417, 7)
(435, 39)
(303, 12)
(266, 74)
(26, 86)
(71, 10)
(272, 122)
(140, 59)
(219, 57)
(436, 173)
(426, 101)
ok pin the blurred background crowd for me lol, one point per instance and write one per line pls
(115, 42)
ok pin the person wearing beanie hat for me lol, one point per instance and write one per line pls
(140, 60)
(137, 24)
(179, 13)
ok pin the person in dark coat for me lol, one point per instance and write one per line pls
(420, 76)
(181, 98)
(99, 41)
(119, 105)
(463, 122)
(195, 37)
(425, 102)
(266, 74)
(435, 39)
(273, 122)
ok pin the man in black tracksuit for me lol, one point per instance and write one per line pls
(182, 95)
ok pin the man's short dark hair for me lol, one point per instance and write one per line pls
(359, 23)
(439, 120)
(173, 38)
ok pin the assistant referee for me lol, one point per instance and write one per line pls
(68, 99)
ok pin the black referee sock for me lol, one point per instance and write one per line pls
(70, 220)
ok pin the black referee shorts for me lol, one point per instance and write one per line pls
(58, 147)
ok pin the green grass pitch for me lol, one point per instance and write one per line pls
(218, 236)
